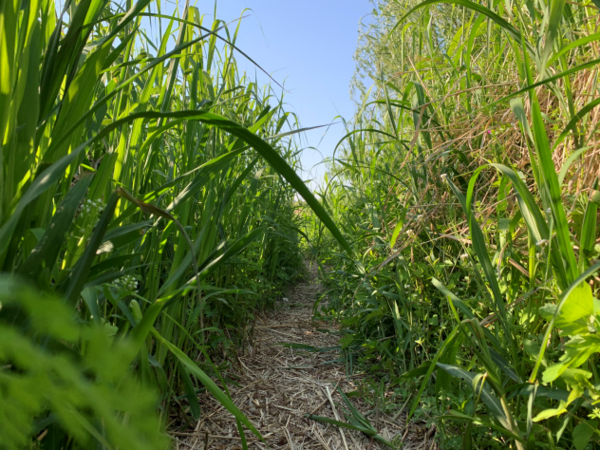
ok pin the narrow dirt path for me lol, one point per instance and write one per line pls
(281, 383)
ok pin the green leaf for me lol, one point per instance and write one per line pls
(584, 276)
(588, 231)
(281, 166)
(479, 245)
(47, 249)
(414, 373)
(544, 391)
(78, 276)
(548, 413)
(577, 43)
(362, 429)
(396, 233)
(556, 13)
(190, 392)
(579, 304)
(210, 385)
(41, 184)
(448, 345)
(456, 415)
(491, 401)
(339, 424)
(571, 126)
(512, 31)
(457, 301)
(549, 185)
(575, 313)
(567, 164)
(582, 434)
(295, 346)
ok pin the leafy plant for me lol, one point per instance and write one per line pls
(467, 185)
(151, 186)
(62, 380)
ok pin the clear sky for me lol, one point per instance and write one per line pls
(309, 46)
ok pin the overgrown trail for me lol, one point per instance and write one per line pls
(281, 383)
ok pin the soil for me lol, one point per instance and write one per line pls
(282, 383)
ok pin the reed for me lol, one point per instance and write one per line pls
(147, 190)
(467, 185)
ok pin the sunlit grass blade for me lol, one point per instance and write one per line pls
(210, 385)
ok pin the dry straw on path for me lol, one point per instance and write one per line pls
(279, 385)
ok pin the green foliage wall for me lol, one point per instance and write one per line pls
(147, 197)
(468, 187)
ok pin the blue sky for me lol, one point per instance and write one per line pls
(309, 46)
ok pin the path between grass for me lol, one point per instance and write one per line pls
(280, 384)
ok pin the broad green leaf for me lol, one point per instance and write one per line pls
(575, 313)
(565, 295)
(578, 304)
(582, 434)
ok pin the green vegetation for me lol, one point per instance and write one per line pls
(148, 206)
(467, 187)
(147, 189)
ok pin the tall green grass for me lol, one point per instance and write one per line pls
(467, 185)
(147, 193)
